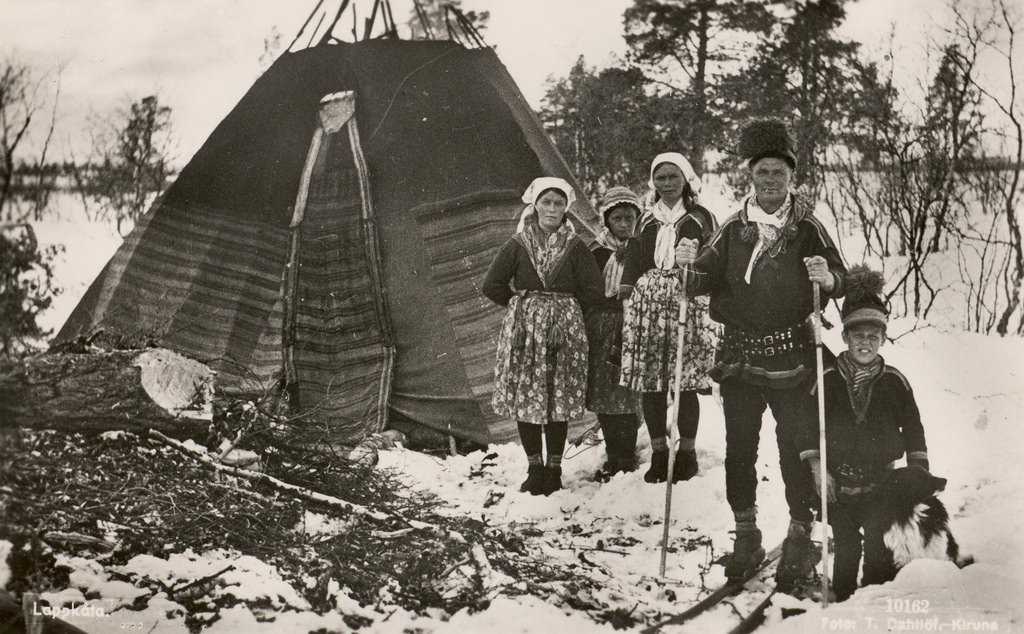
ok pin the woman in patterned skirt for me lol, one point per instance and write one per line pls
(652, 281)
(616, 406)
(546, 276)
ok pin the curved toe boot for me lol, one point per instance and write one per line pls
(534, 480)
(659, 467)
(552, 480)
(747, 554)
(799, 557)
(627, 463)
(685, 466)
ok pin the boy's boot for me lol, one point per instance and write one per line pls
(747, 552)
(534, 476)
(659, 461)
(799, 556)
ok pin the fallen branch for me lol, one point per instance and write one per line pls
(600, 550)
(302, 492)
(402, 532)
(77, 539)
(173, 592)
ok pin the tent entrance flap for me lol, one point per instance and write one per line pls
(339, 354)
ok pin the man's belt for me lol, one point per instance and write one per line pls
(768, 344)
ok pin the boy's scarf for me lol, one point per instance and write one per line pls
(665, 244)
(858, 380)
(769, 229)
(614, 266)
(545, 251)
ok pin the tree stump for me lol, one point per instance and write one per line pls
(131, 390)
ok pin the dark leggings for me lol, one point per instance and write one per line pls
(656, 413)
(555, 434)
(619, 431)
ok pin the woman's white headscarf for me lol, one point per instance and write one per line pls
(538, 187)
(667, 217)
(677, 159)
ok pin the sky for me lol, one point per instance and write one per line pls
(200, 56)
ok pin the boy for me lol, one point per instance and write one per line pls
(871, 421)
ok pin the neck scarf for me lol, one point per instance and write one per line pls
(769, 229)
(665, 244)
(859, 379)
(614, 266)
(546, 251)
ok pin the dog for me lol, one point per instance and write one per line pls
(918, 521)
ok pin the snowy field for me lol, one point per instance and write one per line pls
(970, 389)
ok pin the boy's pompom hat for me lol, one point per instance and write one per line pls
(763, 138)
(617, 196)
(863, 303)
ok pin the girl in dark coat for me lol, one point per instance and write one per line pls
(652, 281)
(540, 376)
(616, 406)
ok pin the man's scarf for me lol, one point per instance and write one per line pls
(859, 379)
(769, 229)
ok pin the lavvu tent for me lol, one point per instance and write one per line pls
(332, 233)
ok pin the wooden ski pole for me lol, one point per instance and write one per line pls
(671, 424)
(819, 368)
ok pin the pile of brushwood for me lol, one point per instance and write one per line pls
(110, 497)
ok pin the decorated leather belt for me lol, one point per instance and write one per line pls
(768, 344)
(859, 480)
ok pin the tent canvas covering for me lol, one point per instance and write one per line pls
(334, 231)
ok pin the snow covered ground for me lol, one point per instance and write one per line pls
(970, 389)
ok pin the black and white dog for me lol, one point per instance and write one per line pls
(918, 521)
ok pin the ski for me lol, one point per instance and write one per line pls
(756, 617)
(726, 590)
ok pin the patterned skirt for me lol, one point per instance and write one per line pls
(604, 394)
(541, 370)
(650, 331)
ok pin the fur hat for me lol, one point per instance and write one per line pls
(616, 196)
(763, 138)
(863, 303)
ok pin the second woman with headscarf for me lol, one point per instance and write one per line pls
(652, 281)
(545, 275)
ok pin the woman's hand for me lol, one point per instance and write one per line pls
(817, 271)
(686, 251)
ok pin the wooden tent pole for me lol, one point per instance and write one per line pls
(370, 20)
(306, 23)
(330, 27)
(393, 29)
(422, 15)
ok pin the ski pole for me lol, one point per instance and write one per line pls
(821, 444)
(673, 416)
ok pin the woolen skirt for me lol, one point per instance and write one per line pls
(541, 370)
(604, 394)
(649, 336)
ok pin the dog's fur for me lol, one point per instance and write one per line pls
(918, 521)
